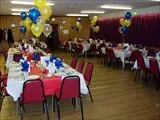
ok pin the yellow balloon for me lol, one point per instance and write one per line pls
(127, 23)
(122, 21)
(78, 24)
(95, 18)
(37, 29)
(46, 12)
(97, 28)
(27, 22)
(94, 29)
(40, 3)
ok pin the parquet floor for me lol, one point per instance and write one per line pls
(115, 93)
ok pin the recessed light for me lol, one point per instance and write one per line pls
(92, 11)
(120, 7)
(53, 19)
(155, 0)
(80, 15)
(19, 10)
(17, 13)
(28, 3)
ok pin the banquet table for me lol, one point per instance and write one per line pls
(122, 54)
(11, 52)
(146, 61)
(51, 83)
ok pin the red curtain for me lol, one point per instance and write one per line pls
(144, 30)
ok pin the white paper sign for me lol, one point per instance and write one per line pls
(65, 32)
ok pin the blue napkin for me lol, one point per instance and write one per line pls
(53, 58)
(58, 64)
(35, 56)
(25, 66)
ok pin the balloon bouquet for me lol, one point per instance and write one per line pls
(125, 22)
(94, 25)
(78, 25)
(36, 19)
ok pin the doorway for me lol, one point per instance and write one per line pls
(53, 38)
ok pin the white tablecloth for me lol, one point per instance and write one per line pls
(122, 55)
(146, 61)
(15, 85)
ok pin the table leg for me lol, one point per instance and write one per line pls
(52, 102)
(17, 108)
(77, 102)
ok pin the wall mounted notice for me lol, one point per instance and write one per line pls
(65, 32)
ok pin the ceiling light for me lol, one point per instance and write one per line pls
(28, 3)
(53, 19)
(81, 15)
(17, 13)
(116, 7)
(155, 0)
(93, 11)
(19, 10)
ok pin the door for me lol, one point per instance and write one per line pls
(53, 38)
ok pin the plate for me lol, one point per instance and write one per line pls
(49, 75)
(150, 57)
(30, 77)
(60, 74)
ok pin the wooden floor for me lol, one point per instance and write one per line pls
(115, 93)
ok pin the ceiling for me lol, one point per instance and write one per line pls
(63, 7)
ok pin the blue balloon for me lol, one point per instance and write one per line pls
(128, 15)
(23, 15)
(23, 29)
(124, 29)
(34, 14)
(79, 19)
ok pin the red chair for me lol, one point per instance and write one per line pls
(138, 54)
(87, 76)
(33, 92)
(154, 69)
(113, 58)
(142, 67)
(80, 66)
(3, 91)
(92, 50)
(17, 57)
(29, 57)
(73, 62)
(70, 89)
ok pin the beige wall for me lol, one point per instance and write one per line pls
(6, 21)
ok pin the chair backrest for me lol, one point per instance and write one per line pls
(132, 56)
(70, 87)
(33, 91)
(73, 62)
(93, 47)
(80, 66)
(154, 68)
(141, 63)
(29, 57)
(138, 54)
(151, 53)
(79, 48)
(111, 53)
(17, 57)
(88, 72)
